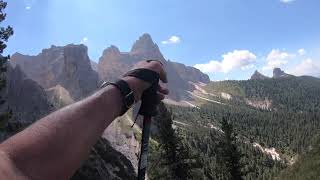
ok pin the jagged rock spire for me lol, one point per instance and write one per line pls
(258, 75)
(144, 47)
(278, 73)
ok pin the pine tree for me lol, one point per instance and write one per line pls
(230, 155)
(176, 156)
(5, 33)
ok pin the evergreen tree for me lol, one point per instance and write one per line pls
(230, 155)
(5, 33)
(175, 155)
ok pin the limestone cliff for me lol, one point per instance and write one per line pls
(68, 66)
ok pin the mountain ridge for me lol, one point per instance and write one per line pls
(114, 63)
(68, 66)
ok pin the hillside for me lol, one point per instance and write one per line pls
(275, 119)
(307, 167)
(292, 93)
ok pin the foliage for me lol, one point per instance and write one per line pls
(289, 126)
(307, 167)
(5, 33)
(292, 93)
(229, 152)
(171, 159)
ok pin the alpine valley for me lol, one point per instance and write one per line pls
(267, 126)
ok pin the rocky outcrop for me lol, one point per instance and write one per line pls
(145, 48)
(265, 104)
(77, 77)
(192, 74)
(258, 76)
(68, 66)
(25, 98)
(59, 96)
(28, 102)
(114, 63)
(94, 66)
(105, 163)
(278, 73)
(122, 138)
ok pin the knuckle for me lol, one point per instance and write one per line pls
(156, 66)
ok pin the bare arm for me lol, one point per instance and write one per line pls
(55, 146)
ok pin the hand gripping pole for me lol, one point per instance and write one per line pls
(148, 109)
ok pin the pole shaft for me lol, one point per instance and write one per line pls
(142, 166)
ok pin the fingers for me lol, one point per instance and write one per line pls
(161, 96)
(163, 90)
(155, 60)
(163, 76)
(159, 67)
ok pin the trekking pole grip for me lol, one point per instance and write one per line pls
(149, 101)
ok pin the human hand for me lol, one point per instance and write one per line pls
(138, 86)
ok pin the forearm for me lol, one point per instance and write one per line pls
(54, 147)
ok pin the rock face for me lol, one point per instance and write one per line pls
(114, 63)
(59, 96)
(265, 104)
(278, 73)
(258, 76)
(105, 163)
(25, 98)
(122, 138)
(67, 66)
(192, 74)
(28, 102)
(94, 66)
(145, 48)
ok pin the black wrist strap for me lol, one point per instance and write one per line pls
(149, 97)
(126, 93)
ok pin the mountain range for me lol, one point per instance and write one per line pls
(61, 75)
(277, 73)
(71, 69)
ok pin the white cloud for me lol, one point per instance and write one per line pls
(238, 59)
(306, 67)
(84, 40)
(247, 67)
(277, 58)
(287, 1)
(172, 40)
(301, 52)
(28, 4)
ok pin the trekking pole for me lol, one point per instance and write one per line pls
(148, 109)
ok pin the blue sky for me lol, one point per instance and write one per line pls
(228, 39)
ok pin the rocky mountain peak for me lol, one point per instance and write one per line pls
(112, 50)
(278, 73)
(145, 48)
(144, 41)
(257, 75)
(68, 66)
